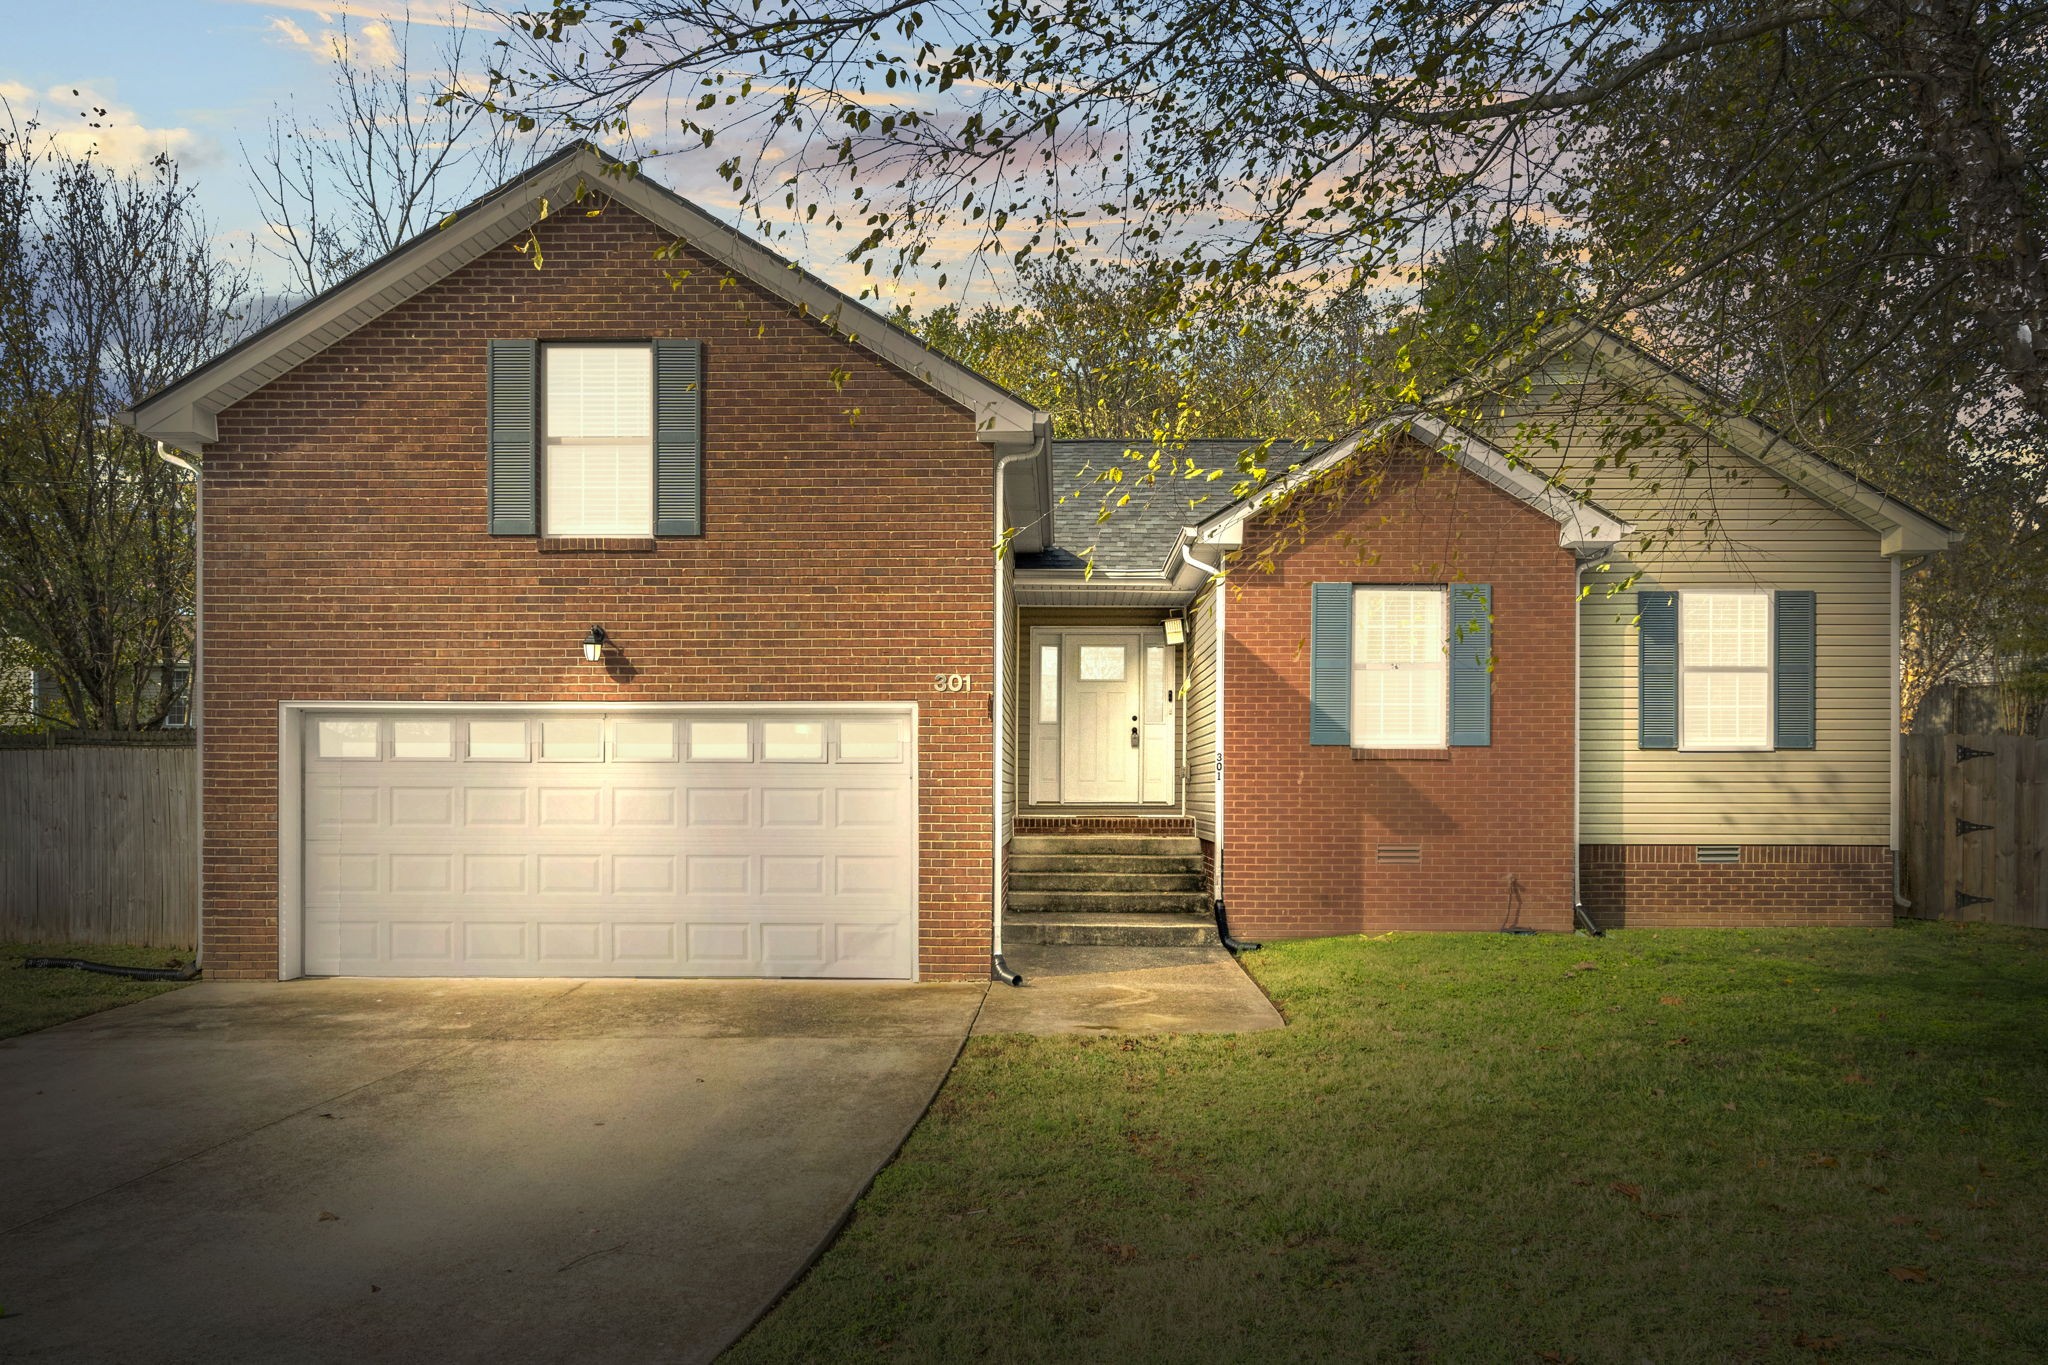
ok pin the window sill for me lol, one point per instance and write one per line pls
(1425, 755)
(560, 545)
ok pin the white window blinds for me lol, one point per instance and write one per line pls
(1399, 680)
(597, 425)
(1724, 670)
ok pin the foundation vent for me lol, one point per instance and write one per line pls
(1400, 853)
(1718, 853)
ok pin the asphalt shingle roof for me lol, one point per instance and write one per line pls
(1138, 536)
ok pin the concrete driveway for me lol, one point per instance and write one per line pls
(445, 1170)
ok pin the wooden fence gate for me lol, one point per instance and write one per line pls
(1974, 827)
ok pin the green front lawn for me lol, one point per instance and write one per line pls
(1661, 1146)
(30, 1000)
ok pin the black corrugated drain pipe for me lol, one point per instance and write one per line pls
(1223, 932)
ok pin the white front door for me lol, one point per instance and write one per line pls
(1101, 718)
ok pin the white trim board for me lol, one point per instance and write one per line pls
(183, 413)
(1584, 527)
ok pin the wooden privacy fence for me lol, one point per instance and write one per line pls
(99, 844)
(1974, 827)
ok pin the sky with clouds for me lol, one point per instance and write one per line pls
(202, 78)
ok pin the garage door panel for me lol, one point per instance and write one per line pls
(700, 842)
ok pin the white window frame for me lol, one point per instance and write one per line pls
(1441, 666)
(549, 444)
(1768, 741)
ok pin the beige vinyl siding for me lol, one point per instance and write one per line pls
(1714, 519)
(1198, 714)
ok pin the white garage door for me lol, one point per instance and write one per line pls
(699, 841)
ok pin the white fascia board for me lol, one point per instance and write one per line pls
(1902, 529)
(183, 413)
(1583, 527)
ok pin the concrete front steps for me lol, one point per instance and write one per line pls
(1108, 890)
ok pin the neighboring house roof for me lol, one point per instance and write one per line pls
(1903, 528)
(1584, 527)
(1139, 538)
(182, 414)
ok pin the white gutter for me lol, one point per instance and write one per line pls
(1001, 676)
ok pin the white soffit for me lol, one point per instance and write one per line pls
(182, 414)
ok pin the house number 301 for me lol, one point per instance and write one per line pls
(952, 682)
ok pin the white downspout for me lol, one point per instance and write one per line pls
(1222, 592)
(1899, 901)
(194, 689)
(1001, 676)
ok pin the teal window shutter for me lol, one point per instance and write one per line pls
(512, 436)
(1792, 649)
(1329, 670)
(1471, 665)
(678, 437)
(1657, 670)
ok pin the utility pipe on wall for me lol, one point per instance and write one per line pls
(997, 690)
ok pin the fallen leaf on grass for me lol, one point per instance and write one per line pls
(1626, 1190)
(1856, 1078)
(1120, 1252)
(1671, 1000)
(1910, 1274)
(1556, 1358)
(1807, 1343)
(1902, 1220)
(326, 1217)
(1880, 1189)
(1728, 1105)
(1822, 1160)
(2001, 1104)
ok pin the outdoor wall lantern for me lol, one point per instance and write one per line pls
(1176, 632)
(594, 643)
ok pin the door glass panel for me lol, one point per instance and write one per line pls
(870, 741)
(1102, 663)
(1155, 684)
(422, 739)
(498, 739)
(572, 739)
(348, 739)
(1048, 684)
(644, 741)
(720, 741)
(793, 741)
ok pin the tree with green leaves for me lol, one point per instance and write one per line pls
(110, 286)
(1833, 209)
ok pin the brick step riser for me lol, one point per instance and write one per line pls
(1110, 902)
(1104, 844)
(1167, 882)
(1102, 862)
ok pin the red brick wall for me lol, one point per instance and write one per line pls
(845, 556)
(1666, 886)
(1302, 823)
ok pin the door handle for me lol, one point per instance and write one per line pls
(1134, 736)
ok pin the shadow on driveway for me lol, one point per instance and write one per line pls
(445, 1170)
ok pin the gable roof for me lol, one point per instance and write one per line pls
(182, 413)
(1583, 527)
(1901, 527)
